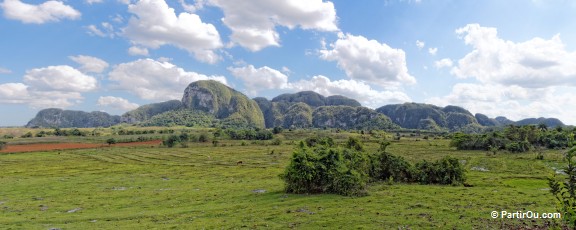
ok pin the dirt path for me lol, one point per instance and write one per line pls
(61, 146)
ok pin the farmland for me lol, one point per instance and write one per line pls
(236, 184)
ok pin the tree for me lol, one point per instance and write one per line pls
(111, 141)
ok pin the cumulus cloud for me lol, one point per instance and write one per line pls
(90, 64)
(138, 51)
(536, 63)
(360, 91)
(13, 93)
(116, 103)
(52, 86)
(59, 78)
(155, 80)
(432, 50)
(420, 44)
(49, 11)
(155, 24)
(94, 1)
(369, 60)
(253, 22)
(260, 78)
(443, 63)
(513, 102)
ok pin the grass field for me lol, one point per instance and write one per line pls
(202, 186)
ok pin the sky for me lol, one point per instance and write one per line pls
(500, 58)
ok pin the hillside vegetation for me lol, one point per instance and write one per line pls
(210, 103)
(70, 118)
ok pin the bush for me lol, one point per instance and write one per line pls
(445, 171)
(386, 166)
(171, 141)
(2, 145)
(276, 141)
(203, 138)
(111, 141)
(565, 192)
(323, 169)
(27, 135)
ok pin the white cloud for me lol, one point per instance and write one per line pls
(54, 99)
(59, 78)
(5, 71)
(90, 64)
(432, 50)
(94, 1)
(360, 91)
(443, 63)
(536, 63)
(253, 22)
(420, 44)
(155, 24)
(116, 103)
(49, 11)
(154, 80)
(513, 102)
(191, 8)
(93, 30)
(369, 60)
(52, 86)
(13, 93)
(135, 51)
(256, 79)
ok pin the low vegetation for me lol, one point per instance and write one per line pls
(318, 166)
(329, 179)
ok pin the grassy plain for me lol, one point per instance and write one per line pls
(204, 187)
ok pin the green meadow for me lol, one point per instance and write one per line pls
(204, 186)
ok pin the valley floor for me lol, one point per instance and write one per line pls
(203, 186)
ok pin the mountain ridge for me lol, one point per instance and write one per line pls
(215, 102)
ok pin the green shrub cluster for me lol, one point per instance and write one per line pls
(318, 166)
(325, 169)
(515, 139)
(183, 139)
(565, 190)
(249, 134)
(2, 145)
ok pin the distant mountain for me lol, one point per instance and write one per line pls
(314, 99)
(58, 118)
(223, 102)
(348, 117)
(503, 120)
(486, 121)
(409, 115)
(309, 109)
(550, 122)
(146, 112)
(211, 103)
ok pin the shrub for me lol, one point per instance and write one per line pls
(565, 192)
(323, 169)
(111, 141)
(2, 145)
(171, 141)
(386, 166)
(203, 138)
(445, 171)
(276, 141)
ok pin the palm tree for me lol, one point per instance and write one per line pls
(543, 127)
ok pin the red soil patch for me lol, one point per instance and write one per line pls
(61, 146)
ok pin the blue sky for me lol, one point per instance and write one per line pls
(511, 58)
